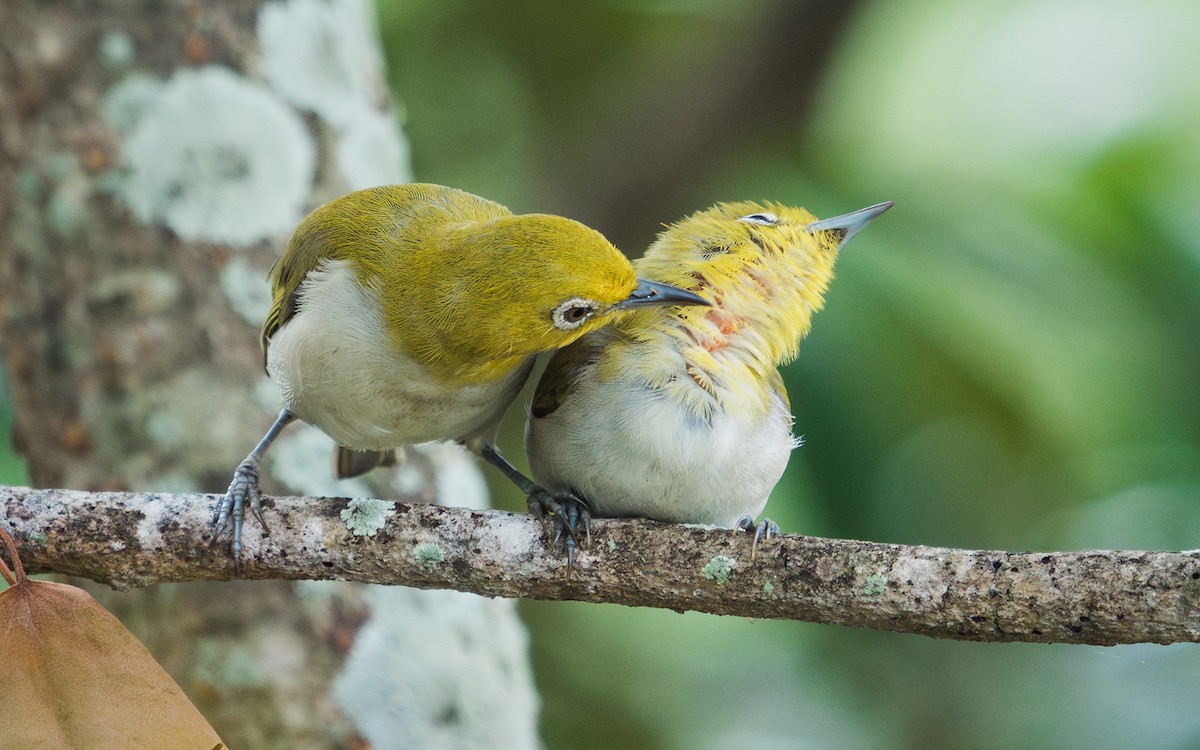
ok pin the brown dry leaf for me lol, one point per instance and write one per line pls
(72, 676)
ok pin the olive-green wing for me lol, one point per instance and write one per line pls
(365, 220)
(286, 276)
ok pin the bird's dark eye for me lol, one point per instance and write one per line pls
(573, 312)
(764, 219)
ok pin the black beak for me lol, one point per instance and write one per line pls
(655, 294)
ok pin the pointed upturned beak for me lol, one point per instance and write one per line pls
(847, 225)
(655, 294)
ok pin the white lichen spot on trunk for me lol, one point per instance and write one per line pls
(439, 669)
(212, 155)
(247, 290)
(321, 56)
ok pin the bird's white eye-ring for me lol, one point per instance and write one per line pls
(573, 312)
(765, 219)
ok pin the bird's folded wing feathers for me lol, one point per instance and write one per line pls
(564, 371)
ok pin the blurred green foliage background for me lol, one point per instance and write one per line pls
(1010, 358)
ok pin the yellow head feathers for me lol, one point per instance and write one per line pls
(764, 266)
(464, 285)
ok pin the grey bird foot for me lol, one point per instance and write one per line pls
(570, 514)
(243, 489)
(764, 530)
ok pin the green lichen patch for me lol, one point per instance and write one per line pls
(429, 555)
(719, 569)
(366, 516)
(876, 583)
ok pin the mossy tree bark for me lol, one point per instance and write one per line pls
(1101, 597)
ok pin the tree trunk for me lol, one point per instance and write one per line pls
(156, 157)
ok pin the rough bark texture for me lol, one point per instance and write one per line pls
(117, 333)
(156, 155)
(1095, 597)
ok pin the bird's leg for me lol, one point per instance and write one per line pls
(568, 511)
(763, 531)
(245, 487)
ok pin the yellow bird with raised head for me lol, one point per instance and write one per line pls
(410, 313)
(683, 417)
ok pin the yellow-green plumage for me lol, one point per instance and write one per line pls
(683, 416)
(765, 284)
(466, 286)
(410, 313)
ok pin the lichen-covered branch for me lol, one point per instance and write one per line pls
(1096, 597)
